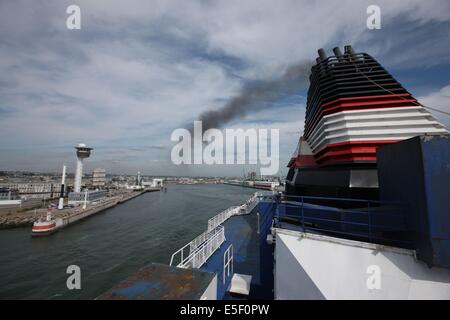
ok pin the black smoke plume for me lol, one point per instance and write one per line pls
(257, 96)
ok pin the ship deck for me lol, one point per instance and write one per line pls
(241, 232)
(158, 282)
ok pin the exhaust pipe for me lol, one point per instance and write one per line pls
(322, 54)
(349, 50)
(338, 54)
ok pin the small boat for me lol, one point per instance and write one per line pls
(44, 227)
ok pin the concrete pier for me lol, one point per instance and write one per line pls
(69, 215)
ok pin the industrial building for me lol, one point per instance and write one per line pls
(34, 190)
(99, 178)
(87, 196)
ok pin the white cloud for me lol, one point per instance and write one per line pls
(439, 100)
(139, 69)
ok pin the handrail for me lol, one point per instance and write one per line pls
(371, 220)
(221, 217)
(288, 197)
(202, 253)
(183, 255)
(245, 208)
(197, 251)
(179, 252)
(198, 240)
(250, 204)
(227, 263)
(190, 247)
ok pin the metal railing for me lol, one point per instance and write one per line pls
(222, 217)
(202, 253)
(368, 220)
(250, 204)
(179, 256)
(246, 208)
(199, 240)
(227, 263)
(195, 253)
(182, 254)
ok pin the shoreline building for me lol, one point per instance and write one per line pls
(99, 178)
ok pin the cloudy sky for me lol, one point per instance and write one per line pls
(137, 70)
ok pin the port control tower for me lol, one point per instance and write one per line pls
(82, 152)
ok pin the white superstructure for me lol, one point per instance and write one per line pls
(311, 266)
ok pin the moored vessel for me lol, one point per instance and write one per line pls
(44, 227)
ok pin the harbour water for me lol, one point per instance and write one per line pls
(111, 245)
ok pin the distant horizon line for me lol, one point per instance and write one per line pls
(123, 174)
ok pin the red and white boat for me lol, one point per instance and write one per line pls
(44, 227)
